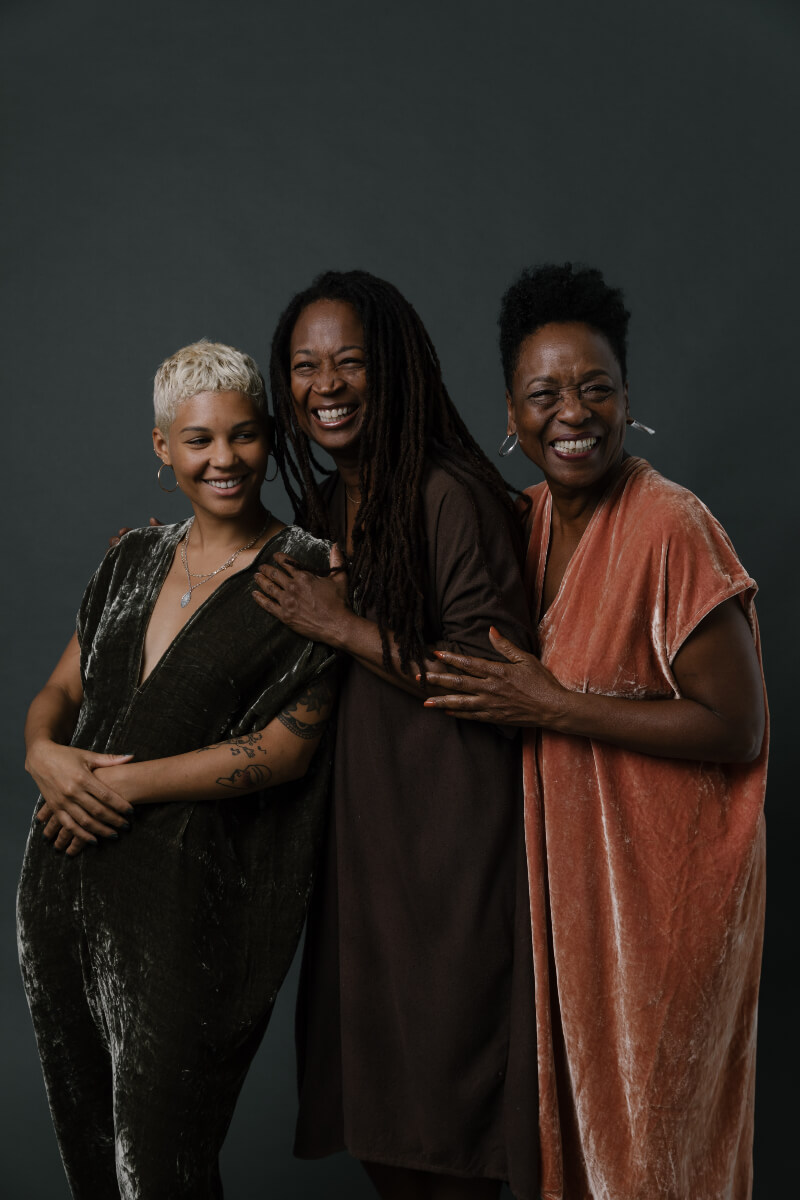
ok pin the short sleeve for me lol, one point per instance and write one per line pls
(94, 597)
(702, 570)
(476, 570)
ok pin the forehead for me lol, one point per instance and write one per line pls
(564, 348)
(215, 410)
(326, 325)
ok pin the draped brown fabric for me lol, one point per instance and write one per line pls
(646, 874)
(416, 1031)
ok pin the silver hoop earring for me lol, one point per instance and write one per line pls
(274, 477)
(505, 449)
(642, 428)
(158, 478)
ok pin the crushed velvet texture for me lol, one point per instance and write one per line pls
(151, 963)
(647, 874)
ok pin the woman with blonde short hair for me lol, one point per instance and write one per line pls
(180, 744)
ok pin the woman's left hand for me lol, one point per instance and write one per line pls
(55, 832)
(519, 691)
(313, 606)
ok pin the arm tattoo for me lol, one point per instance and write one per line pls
(247, 744)
(247, 779)
(316, 698)
(302, 729)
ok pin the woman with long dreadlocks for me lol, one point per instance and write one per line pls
(416, 1030)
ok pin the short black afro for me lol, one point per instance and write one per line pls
(553, 292)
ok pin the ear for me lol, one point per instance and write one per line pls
(161, 447)
(512, 425)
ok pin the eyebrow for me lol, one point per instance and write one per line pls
(341, 350)
(205, 428)
(592, 374)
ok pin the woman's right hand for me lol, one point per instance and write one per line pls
(76, 800)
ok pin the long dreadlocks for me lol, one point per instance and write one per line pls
(409, 419)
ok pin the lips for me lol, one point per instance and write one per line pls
(574, 447)
(333, 417)
(225, 485)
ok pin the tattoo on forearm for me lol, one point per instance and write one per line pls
(247, 744)
(247, 778)
(302, 729)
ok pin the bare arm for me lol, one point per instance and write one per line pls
(718, 718)
(65, 775)
(276, 754)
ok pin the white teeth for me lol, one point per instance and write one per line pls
(575, 447)
(328, 415)
(223, 484)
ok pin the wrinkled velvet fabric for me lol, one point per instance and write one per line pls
(647, 874)
(152, 963)
(416, 1033)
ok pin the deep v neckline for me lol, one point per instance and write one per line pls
(158, 580)
(546, 536)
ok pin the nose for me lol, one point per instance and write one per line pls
(224, 454)
(326, 381)
(572, 410)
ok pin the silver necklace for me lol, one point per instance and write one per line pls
(201, 579)
(350, 498)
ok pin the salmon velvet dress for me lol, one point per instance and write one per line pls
(646, 874)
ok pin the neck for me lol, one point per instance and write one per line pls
(348, 467)
(573, 508)
(210, 533)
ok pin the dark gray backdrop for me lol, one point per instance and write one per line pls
(177, 170)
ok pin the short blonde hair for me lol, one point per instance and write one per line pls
(205, 367)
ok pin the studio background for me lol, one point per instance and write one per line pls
(178, 170)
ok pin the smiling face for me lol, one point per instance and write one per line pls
(328, 375)
(218, 446)
(568, 405)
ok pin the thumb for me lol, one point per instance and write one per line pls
(106, 760)
(154, 521)
(336, 559)
(506, 647)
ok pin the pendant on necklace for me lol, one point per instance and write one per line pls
(185, 598)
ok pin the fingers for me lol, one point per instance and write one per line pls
(479, 668)
(455, 704)
(458, 683)
(154, 521)
(285, 563)
(271, 580)
(52, 827)
(64, 839)
(336, 558)
(505, 645)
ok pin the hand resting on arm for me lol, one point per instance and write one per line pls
(719, 716)
(91, 795)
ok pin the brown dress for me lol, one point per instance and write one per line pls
(647, 874)
(416, 1024)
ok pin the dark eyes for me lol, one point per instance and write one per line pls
(244, 435)
(589, 393)
(343, 362)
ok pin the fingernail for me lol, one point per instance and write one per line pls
(125, 825)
